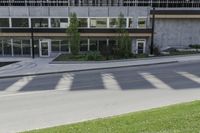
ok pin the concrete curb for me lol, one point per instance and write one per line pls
(89, 69)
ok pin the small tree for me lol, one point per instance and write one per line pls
(124, 41)
(74, 35)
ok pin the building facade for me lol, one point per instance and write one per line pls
(177, 24)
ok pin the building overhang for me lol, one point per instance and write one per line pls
(84, 32)
(179, 14)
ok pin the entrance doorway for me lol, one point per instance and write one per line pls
(140, 46)
(44, 48)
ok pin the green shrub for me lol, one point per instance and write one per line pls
(195, 46)
(94, 56)
(140, 55)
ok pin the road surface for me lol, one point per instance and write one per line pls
(43, 101)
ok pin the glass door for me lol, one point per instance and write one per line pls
(141, 46)
(44, 48)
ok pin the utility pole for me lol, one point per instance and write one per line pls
(152, 32)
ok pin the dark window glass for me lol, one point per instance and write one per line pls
(64, 46)
(1, 47)
(17, 47)
(59, 22)
(4, 22)
(103, 46)
(93, 45)
(83, 45)
(140, 47)
(7, 47)
(83, 22)
(39, 22)
(20, 22)
(36, 47)
(55, 46)
(113, 22)
(26, 47)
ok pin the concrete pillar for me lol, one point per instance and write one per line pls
(10, 22)
(49, 22)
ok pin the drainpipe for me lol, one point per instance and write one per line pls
(152, 32)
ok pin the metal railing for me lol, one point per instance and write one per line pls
(151, 3)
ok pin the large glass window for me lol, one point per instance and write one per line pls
(83, 22)
(103, 46)
(36, 47)
(55, 46)
(26, 47)
(64, 46)
(83, 45)
(17, 47)
(59, 22)
(112, 44)
(7, 47)
(113, 23)
(20, 22)
(4, 22)
(1, 47)
(93, 45)
(39, 22)
(98, 22)
(141, 22)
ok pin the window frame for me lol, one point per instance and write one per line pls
(145, 22)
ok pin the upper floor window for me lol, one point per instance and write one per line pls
(59, 22)
(113, 23)
(98, 22)
(83, 22)
(39, 22)
(130, 22)
(142, 22)
(20, 22)
(4, 22)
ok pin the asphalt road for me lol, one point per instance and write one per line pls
(43, 101)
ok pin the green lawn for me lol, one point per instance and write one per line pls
(181, 118)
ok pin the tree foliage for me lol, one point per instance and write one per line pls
(124, 41)
(74, 35)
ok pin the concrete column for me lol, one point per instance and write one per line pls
(88, 19)
(49, 22)
(10, 22)
(29, 22)
(127, 22)
(108, 22)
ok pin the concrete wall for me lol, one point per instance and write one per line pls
(177, 32)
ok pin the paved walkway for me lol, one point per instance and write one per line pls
(28, 66)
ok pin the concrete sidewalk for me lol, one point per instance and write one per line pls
(39, 66)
